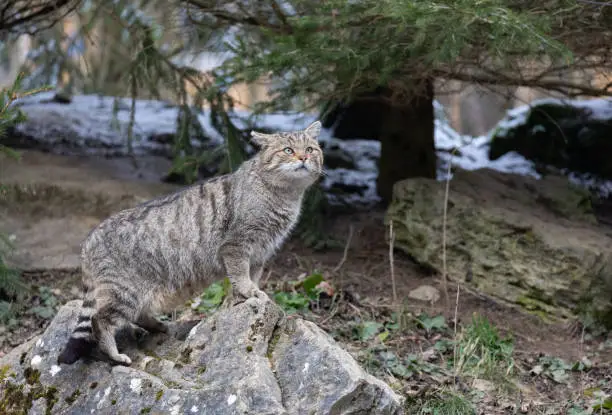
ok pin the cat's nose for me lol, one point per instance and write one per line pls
(302, 157)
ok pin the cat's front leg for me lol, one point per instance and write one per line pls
(236, 262)
(256, 271)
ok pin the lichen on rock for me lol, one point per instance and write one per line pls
(216, 375)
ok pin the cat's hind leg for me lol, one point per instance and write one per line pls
(115, 312)
(147, 321)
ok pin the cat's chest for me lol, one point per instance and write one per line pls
(272, 229)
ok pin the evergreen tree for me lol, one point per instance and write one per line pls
(375, 61)
(371, 63)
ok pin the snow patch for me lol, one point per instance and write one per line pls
(87, 122)
(231, 399)
(194, 409)
(40, 343)
(175, 410)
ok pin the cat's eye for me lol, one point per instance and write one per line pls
(288, 150)
(309, 149)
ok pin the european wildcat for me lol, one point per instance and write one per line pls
(139, 259)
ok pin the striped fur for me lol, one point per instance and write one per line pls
(144, 259)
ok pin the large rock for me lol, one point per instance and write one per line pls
(533, 243)
(574, 136)
(243, 360)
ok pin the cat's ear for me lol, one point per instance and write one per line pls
(314, 130)
(261, 139)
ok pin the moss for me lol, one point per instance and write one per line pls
(201, 370)
(518, 264)
(114, 402)
(185, 356)
(4, 372)
(73, 397)
(178, 365)
(276, 333)
(15, 400)
(22, 358)
(51, 397)
(19, 398)
(249, 348)
(32, 376)
(159, 395)
(145, 410)
(93, 385)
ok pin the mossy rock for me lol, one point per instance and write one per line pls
(530, 243)
(563, 136)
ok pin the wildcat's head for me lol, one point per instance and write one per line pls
(294, 156)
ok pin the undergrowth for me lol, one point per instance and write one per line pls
(12, 288)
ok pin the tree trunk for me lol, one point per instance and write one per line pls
(405, 130)
(407, 142)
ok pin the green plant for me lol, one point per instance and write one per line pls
(482, 352)
(11, 115)
(558, 369)
(48, 304)
(366, 330)
(12, 288)
(442, 403)
(430, 324)
(212, 297)
(297, 301)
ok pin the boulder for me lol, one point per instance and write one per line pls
(247, 359)
(526, 242)
(572, 136)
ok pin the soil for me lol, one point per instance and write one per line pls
(360, 272)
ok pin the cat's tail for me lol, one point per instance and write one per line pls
(81, 341)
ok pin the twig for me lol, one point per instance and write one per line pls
(444, 221)
(346, 248)
(391, 264)
(455, 323)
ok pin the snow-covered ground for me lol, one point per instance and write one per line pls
(88, 123)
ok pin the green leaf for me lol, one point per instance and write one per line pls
(212, 297)
(607, 404)
(383, 336)
(310, 284)
(43, 312)
(368, 329)
(291, 302)
(432, 323)
(559, 376)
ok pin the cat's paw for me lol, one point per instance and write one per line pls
(121, 359)
(245, 290)
(249, 290)
(260, 294)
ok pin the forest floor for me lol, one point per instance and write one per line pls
(494, 360)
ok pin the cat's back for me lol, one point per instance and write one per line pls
(197, 209)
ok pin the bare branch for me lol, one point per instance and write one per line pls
(32, 16)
